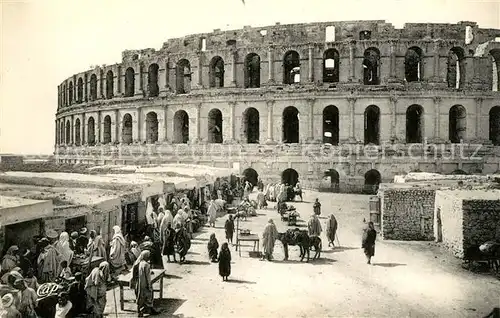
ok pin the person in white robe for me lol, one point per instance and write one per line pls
(118, 250)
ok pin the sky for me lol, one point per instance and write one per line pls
(45, 41)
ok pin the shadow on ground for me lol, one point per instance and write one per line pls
(194, 262)
(240, 281)
(388, 264)
(168, 306)
(322, 261)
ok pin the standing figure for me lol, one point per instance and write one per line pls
(229, 228)
(298, 190)
(82, 242)
(141, 283)
(213, 247)
(64, 305)
(133, 252)
(268, 239)
(167, 219)
(63, 248)
(368, 242)
(169, 242)
(225, 262)
(317, 207)
(11, 259)
(95, 287)
(212, 213)
(331, 230)
(73, 242)
(48, 262)
(96, 245)
(8, 309)
(28, 299)
(314, 226)
(117, 251)
(77, 295)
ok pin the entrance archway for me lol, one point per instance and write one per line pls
(414, 119)
(151, 128)
(251, 176)
(331, 125)
(181, 127)
(127, 129)
(457, 124)
(251, 127)
(334, 177)
(106, 136)
(290, 125)
(372, 125)
(215, 126)
(372, 181)
(290, 176)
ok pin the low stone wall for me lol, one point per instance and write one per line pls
(481, 221)
(407, 214)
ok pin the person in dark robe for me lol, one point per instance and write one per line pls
(77, 295)
(73, 241)
(225, 262)
(317, 207)
(169, 242)
(213, 247)
(82, 242)
(290, 192)
(368, 242)
(142, 285)
(229, 228)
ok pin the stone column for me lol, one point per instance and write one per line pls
(165, 125)
(139, 126)
(352, 134)
(437, 119)
(99, 128)
(270, 105)
(197, 136)
(479, 106)
(72, 130)
(167, 75)
(99, 85)
(84, 123)
(233, 68)
(392, 70)
(352, 66)
(85, 88)
(200, 69)
(118, 81)
(57, 131)
(232, 105)
(394, 103)
(75, 86)
(270, 63)
(117, 126)
(310, 103)
(138, 89)
(310, 76)
(437, 47)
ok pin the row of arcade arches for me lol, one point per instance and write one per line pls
(250, 129)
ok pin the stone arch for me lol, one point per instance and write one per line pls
(106, 130)
(78, 139)
(252, 71)
(372, 181)
(495, 83)
(414, 124)
(371, 66)
(110, 83)
(183, 76)
(372, 125)
(91, 131)
(79, 90)
(291, 67)
(459, 172)
(68, 132)
(251, 176)
(457, 124)
(251, 125)
(456, 68)
(216, 72)
(93, 87)
(331, 125)
(413, 64)
(70, 93)
(153, 88)
(331, 66)
(129, 82)
(181, 127)
(494, 118)
(151, 127)
(215, 126)
(290, 176)
(127, 129)
(291, 125)
(334, 177)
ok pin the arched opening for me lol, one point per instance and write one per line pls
(331, 125)
(457, 124)
(153, 89)
(91, 131)
(216, 72)
(290, 125)
(68, 132)
(129, 82)
(371, 66)
(459, 172)
(215, 126)
(372, 125)
(78, 140)
(110, 82)
(414, 124)
(70, 93)
(251, 127)
(181, 127)
(291, 68)
(456, 68)
(495, 125)
(413, 64)
(251, 176)
(65, 102)
(106, 136)
(79, 90)
(183, 77)
(93, 87)
(290, 177)
(331, 63)
(252, 71)
(151, 128)
(127, 129)
(495, 55)
(372, 181)
(334, 180)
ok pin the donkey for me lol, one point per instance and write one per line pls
(296, 237)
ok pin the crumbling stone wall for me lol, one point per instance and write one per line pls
(481, 221)
(407, 214)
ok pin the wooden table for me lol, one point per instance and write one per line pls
(247, 238)
(82, 264)
(124, 279)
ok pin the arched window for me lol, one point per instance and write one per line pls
(215, 126)
(456, 68)
(252, 71)
(106, 136)
(110, 84)
(372, 125)
(68, 132)
(251, 128)
(151, 128)
(495, 125)
(129, 82)
(372, 181)
(70, 93)
(93, 87)
(414, 124)
(457, 123)
(181, 127)
(290, 126)
(153, 89)
(79, 90)
(413, 64)
(78, 140)
(331, 63)
(495, 55)
(371, 66)
(91, 131)
(217, 72)
(291, 68)
(127, 129)
(183, 77)
(331, 125)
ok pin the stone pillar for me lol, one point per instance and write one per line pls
(165, 125)
(352, 66)
(233, 68)
(83, 137)
(99, 85)
(75, 86)
(270, 63)
(437, 48)
(437, 119)
(352, 131)
(85, 88)
(99, 128)
(200, 69)
(479, 106)
(117, 126)
(167, 75)
(232, 105)
(310, 76)
(394, 104)
(392, 69)
(270, 105)
(72, 130)
(138, 137)
(197, 136)
(310, 103)
(57, 131)
(119, 81)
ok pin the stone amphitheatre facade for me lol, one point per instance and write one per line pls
(356, 101)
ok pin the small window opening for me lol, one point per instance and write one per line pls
(231, 42)
(330, 34)
(365, 35)
(203, 44)
(263, 32)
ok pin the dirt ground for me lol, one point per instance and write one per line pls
(407, 279)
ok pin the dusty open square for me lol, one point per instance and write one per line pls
(407, 279)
